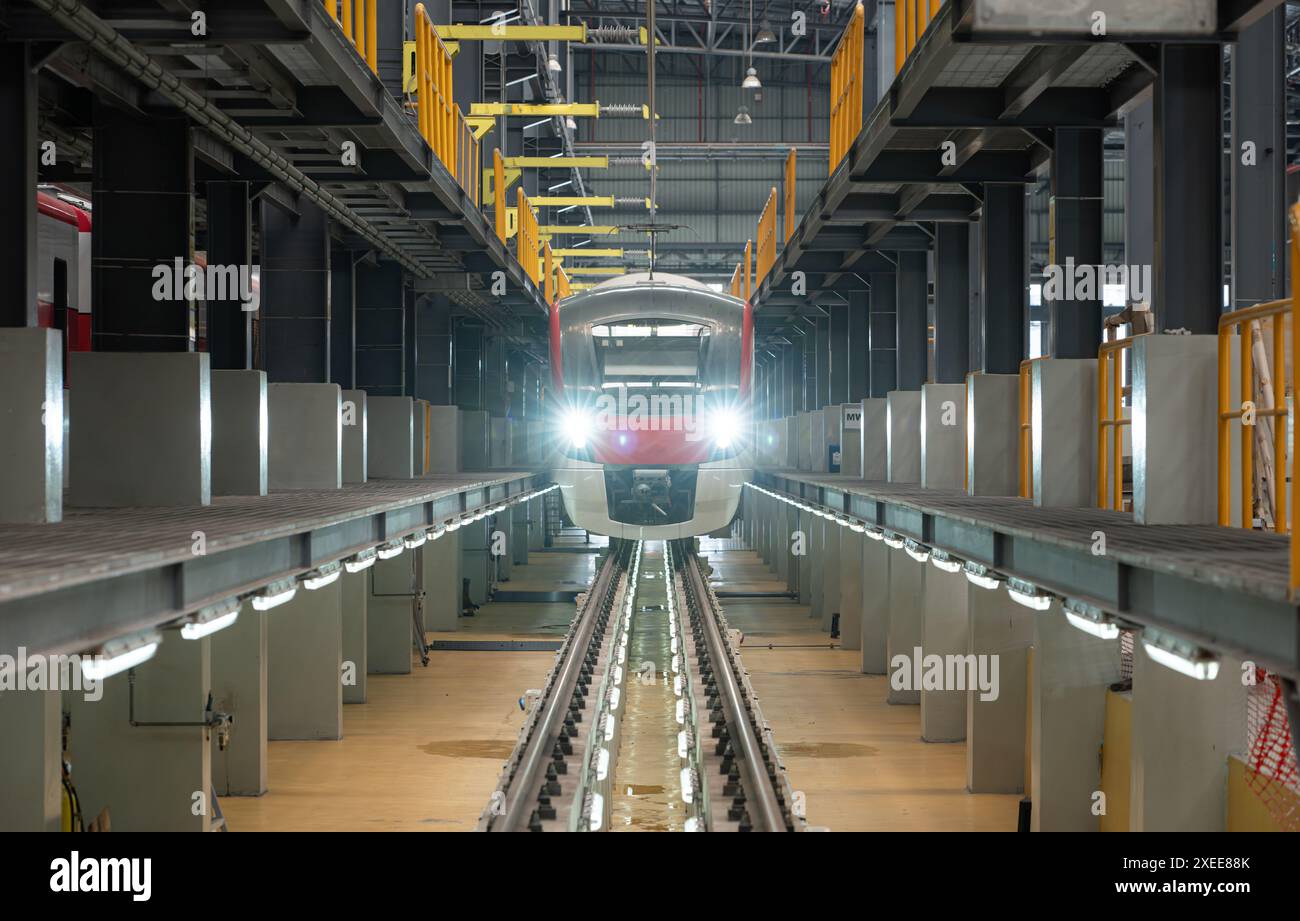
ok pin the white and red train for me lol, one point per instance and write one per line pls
(653, 378)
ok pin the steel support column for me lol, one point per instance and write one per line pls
(859, 345)
(808, 382)
(1077, 199)
(883, 334)
(19, 155)
(1188, 271)
(1139, 189)
(839, 357)
(295, 309)
(1259, 114)
(343, 319)
(951, 303)
(230, 243)
(381, 330)
(144, 219)
(913, 344)
(794, 376)
(822, 385)
(1002, 274)
(433, 350)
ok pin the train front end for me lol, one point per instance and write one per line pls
(653, 421)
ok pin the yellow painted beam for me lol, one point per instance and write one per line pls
(591, 201)
(577, 230)
(491, 32)
(557, 162)
(596, 270)
(572, 109)
(511, 176)
(481, 124)
(585, 251)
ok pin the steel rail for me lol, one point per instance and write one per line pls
(521, 796)
(764, 808)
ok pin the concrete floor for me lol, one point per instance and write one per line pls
(425, 751)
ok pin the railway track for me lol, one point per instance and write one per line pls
(647, 720)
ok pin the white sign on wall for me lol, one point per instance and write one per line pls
(852, 417)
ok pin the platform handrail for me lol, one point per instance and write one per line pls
(1243, 321)
(847, 87)
(766, 250)
(359, 21)
(748, 274)
(736, 288)
(1026, 429)
(441, 122)
(526, 239)
(1111, 421)
(791, 161)
(910, 20)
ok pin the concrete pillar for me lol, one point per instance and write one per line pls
(906, 599)
(943, 435)
(305, 449)
(876, 557)
(422, 446)
(150, 778)
(993, 414)
(875, 439)
(850, 578)
(475, 540)
(1064, 460)
(500, 539)
(239, 687)
(355, 665)
(123, 457)
(536, 524)
(442, 590)
(240, 433)
(1071, 673)
(832, 535)
(31, 407)
(391, 440)
(995, 728)
(944, 632)
(31, 789)
(817, 455)
(518, 517)
(1183, 732)
(789, 566)
(804, 441)
(356, 437)
(304, 690)
(1175, 430)
(904, 432)
(851, 440)
(389, 622)
(807, 525)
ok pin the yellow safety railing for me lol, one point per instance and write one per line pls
(441, 122)
(1026, 429)
(846, 87)
(910, 19)
(359, 21)
(1111, 421)
(548, 273)
(790, 161)
(766, 252)
(748, 274)
(526, 239)
(1246, 323)
(499, 200)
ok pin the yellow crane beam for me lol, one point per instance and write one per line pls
(585, 251)
(498, 32)
(595, 270)
(556, 162)
(591, 201)
(572, 109)
(577, 230)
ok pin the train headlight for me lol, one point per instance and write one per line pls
(726, 427)
(578, 426)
